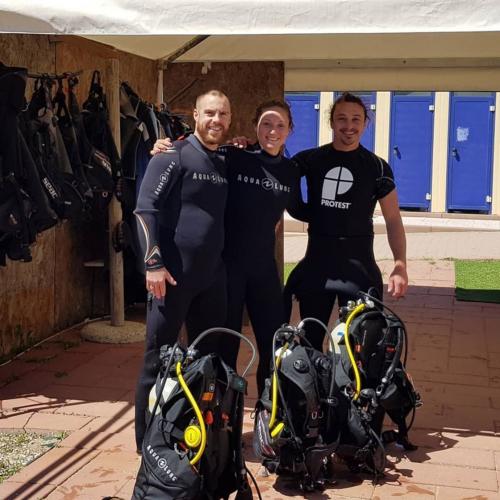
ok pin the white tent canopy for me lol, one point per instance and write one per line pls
(174, 23)
(224, 17)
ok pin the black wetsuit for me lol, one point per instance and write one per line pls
(180, 213)
(343, 188)
(261, 186)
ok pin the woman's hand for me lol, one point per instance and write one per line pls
(161, 145)
(240, 141)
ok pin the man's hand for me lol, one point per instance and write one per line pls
(161, 145)
(156, 282)
(398, 281)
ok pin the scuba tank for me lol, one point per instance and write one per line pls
(192, 447)
(294, 410)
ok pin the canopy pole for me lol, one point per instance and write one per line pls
(116, 287)
(117, 330)
(159, 87)
(164, 61)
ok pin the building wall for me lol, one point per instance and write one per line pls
(247, 84)
(440, 138)
(54, 290)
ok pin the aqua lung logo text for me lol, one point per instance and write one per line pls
(337, 181)
(165, 175)
(212, 177)
(162, 463)
(266, 183)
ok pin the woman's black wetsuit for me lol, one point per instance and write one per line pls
(343, 188)
(261, 186)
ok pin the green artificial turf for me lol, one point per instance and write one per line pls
(477, 280)
(288, 269)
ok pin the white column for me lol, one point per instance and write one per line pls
(440, 151)
(325, 131)
(495, 204)
(383, 125)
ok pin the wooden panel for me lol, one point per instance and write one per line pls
(54, 291)
(74, 54)
(27, 289)
(247, 84)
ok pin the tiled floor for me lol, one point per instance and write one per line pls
(87, 389)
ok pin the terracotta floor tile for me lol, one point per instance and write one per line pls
(471, 365)
(10, 490)
(430, 340)
(467, 395)
(465, 457)
(493, 360)
(449, 493)
(406, 489)
(494, 377)
(20, 404)
(448, 378)
(105, 475)
(28, 386)
(430, 359)
(470, 418)
(438, 301)
(52, 421)
(433, 329)
(62, 362)
(13, 371)
(105, 424)
(469, 440)
(90, 347)
(104, 441)
(57, 392)
(95, 409)
(457, 375)
(448, 475)
(126, 490)
(15, 420)
(55, 466)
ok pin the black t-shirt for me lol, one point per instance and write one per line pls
(261, 186)
(343, 188)
(180, 208)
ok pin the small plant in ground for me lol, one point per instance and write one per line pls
(18, 449)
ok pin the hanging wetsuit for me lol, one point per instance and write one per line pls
(343, 188)
(180, 212)
(261, 186)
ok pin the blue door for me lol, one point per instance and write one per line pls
(470, 151)
(305, 114)
(369, 99)
(412, 119)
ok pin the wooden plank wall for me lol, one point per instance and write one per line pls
(247, 84)
(53, 291)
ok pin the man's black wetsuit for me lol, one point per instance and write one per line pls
(180, 213)
(343, 188)
(261, 186)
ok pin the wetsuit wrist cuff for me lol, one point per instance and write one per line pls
(155, 266)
